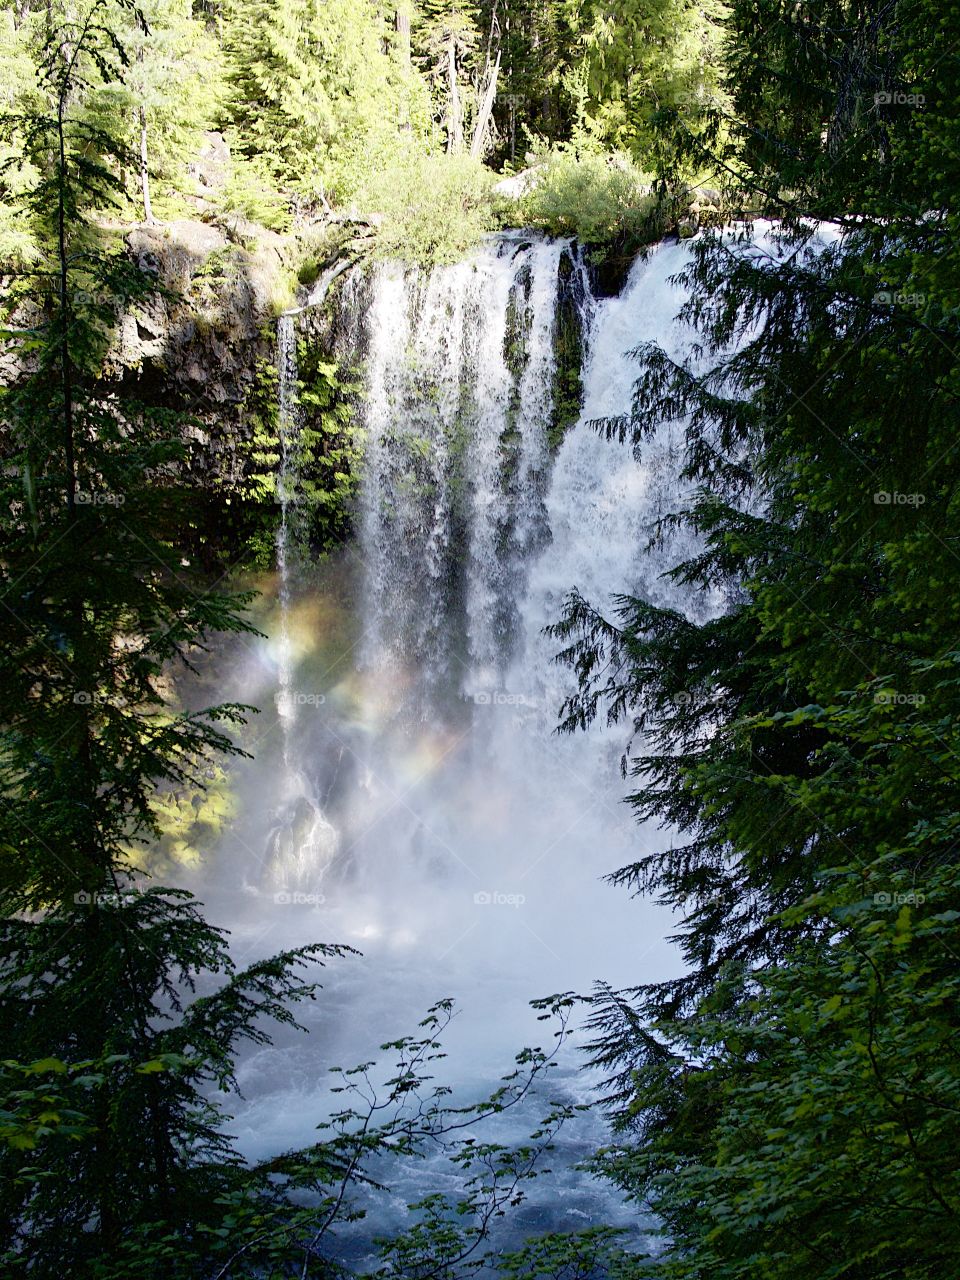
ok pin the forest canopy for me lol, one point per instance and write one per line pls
(333, 106)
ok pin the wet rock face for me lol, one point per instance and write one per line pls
(210, 169)
(195, 343)
(199, 341)
(198, 344)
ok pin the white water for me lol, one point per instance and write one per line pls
(445, 536)
(462, 843)
(302, 841)
(287, 384)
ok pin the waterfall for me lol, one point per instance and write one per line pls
(460, 843)
(463, 497)
(460, 363)
(485, 498)
(286, 494)
(301, 841)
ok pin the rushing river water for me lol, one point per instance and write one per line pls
(411, 797)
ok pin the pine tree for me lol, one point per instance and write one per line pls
(318, 93)
(448, 43)
(536, 44)
(788, 1105)
(96, 605)
(170, 94)
(640, 69)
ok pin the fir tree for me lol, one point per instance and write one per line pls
(319, 94)
(96, 605)
(788, 1105)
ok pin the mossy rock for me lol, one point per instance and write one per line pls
(568, 353)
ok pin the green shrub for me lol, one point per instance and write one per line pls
(600, 198)
(250, 193)
(434, 208)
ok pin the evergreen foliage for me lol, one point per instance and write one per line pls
(788, 1106)
(641, 65)
(352, 105)
(317, 94)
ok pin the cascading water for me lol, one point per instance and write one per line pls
(302, 841)
(460, 364)
(471, 841)
(286, 493)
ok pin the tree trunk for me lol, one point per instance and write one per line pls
(401, 22)
(144, 167)
(486, 110)
(454, 109)
(63, 264)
